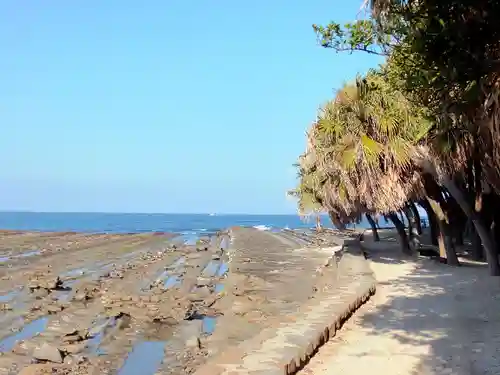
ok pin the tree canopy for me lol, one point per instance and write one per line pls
(422, 128)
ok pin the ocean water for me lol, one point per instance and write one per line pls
(131, 223)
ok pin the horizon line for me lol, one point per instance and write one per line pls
(148, 213)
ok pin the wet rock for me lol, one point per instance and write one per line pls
(48, 353)
(216, 257)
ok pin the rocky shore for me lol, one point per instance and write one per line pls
(73, 303)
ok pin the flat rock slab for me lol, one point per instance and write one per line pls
(285, 347)
(288, 271)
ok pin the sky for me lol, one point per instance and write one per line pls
(162, 105)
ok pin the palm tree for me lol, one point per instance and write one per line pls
(365, 142)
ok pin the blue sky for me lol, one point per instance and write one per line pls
(161, 105)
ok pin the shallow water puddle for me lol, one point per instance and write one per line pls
(145, 358)
(208, 326)
(28, 254)
(224, 243)
(172, 281)
(100, 331)
(222, 271)
(11, 256)
(187, 238)
(208, 322)
(211, 269)
(219, 288)
(8, 296)
(28, 331)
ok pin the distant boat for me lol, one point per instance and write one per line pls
(211, 214)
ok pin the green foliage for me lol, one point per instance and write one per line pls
(361, 35)
(433, 92)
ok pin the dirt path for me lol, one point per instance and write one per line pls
(426, 318)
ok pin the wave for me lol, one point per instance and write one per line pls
(262, 227)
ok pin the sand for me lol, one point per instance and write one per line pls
(426, 318)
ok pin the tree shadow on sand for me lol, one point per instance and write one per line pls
(448, 317)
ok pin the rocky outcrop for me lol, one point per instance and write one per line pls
(286, 348)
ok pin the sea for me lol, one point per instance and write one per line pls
(185, 224)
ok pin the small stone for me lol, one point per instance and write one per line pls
(48, 353)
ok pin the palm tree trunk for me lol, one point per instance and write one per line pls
(439, 207)
(418, 221)
(477, 247)
(433, 225)
(373, 224)
(407, 215)
(318, 223)
(412, 227)
(482, 231)
(445, 239)
(400, 227)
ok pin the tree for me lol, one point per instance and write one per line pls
(363, 145)
(443, 56)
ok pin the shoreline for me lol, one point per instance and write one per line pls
(179, 299)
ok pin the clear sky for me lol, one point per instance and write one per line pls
(161, 105)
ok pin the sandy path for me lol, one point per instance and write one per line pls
(426, 318)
